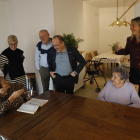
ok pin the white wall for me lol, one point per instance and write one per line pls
(26, 19)
(91, 27)
(108, 34)
(137, 10)
(69, 19)
(4, 26)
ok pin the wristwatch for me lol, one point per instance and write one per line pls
(75, 72)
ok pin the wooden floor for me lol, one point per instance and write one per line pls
(89, 90)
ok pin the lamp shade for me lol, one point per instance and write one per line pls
(117, 23)
(125, 23)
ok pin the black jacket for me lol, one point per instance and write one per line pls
(15, 64)
(74, 57)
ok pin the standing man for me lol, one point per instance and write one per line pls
(42, 56)
(63, 65)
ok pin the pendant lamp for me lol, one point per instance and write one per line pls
(124, 18)
(117, 22)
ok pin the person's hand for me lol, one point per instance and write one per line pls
(15, 95)
(117, 47)
(73, 74)
(3, 90)
(53, 74)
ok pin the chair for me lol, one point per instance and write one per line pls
(136, 87)
(95, 53)
(125, 61)
(89, 56)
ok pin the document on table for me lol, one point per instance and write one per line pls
(32, 105)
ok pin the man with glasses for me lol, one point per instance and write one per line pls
(42, 56)
(63, 65)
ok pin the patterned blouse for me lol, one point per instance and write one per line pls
(5, 103)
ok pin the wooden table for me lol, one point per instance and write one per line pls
(67, 117)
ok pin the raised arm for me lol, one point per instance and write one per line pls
(125, 51)
(19, 86)
(6, 105)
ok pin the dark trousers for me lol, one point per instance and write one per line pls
(135, 77)
(64, 84)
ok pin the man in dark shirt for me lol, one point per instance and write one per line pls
(63, 65)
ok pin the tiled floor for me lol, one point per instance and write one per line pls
(89, 90)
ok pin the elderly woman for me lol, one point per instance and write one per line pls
(11, 63)
(11, 95)
(118, 90)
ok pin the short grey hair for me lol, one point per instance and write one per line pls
(44, 31)
(60, 38)
(122, 71)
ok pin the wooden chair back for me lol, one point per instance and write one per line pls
(136, 87)
(95, 53)
(89, 56)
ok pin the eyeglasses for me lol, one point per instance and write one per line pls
(13, 44)
(57, 45)
(42, 36)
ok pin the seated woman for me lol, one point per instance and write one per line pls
(11, 95)
(118, 90)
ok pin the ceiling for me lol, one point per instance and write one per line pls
(106, 3)
(109, 3)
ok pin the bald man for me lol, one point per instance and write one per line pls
(42, 57)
